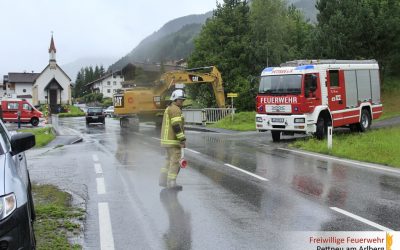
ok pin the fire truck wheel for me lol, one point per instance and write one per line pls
(276, 136)
(35, 121)
(321, 128)
(365, 121)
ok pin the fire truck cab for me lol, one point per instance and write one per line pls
(307, 96)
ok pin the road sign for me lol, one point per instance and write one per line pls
(232, 95)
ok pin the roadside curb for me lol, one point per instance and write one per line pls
(200, 129)
(356, 163)
(80, 139)
(211, 130)
(63, 139)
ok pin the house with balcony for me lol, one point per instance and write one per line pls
(107, 84)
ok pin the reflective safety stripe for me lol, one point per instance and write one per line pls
(180, 136)
(166, 128)
(170, 142)
(176, 119)
(164, 170)
(172, 176)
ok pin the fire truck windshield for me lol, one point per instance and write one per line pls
(280, 84)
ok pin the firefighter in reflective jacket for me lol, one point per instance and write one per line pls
(173, 139)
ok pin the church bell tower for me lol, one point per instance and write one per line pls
(52, 53)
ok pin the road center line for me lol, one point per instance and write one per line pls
(101, 187)
(158, 139)
(97, 168)
(193, 151)
(106, 236)
(95, 157)
(356, 217)
(246, 172)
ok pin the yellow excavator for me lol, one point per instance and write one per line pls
(147, 103)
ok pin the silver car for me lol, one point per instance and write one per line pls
(16, 204)
(109, 111)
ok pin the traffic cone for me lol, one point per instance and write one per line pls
(182, 162)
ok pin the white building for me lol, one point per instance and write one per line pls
(53, 85)
(107, 84)
(19, 85)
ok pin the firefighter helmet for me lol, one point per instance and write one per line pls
(178, 94)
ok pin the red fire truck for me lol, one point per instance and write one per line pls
(307, 96)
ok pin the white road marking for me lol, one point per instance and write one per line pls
(101, 187)
(246, 172)
(106, 235)
(97, 168)
(95, 158)
(193, 151)
(397, 171)
(356, 217)
(158, 139)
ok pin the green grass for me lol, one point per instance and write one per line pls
(43, 135)
(390, 98)
(55, 218)
(377, 146)
(73, 112)
(243, 121)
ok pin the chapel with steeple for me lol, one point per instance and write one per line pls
(53, 85)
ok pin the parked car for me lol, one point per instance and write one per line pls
(11, 108)
(17, 212)
(95, 114)
(109, 111)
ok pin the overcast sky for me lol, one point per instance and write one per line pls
(82, 28)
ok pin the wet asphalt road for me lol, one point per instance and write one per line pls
(220, 207)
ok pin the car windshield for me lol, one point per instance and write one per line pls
(95, 110)
(280, 84)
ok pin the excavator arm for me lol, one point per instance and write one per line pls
(147, 103)
(194, 76)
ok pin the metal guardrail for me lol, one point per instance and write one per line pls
(207, 115)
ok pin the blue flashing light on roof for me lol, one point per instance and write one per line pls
(304, 67)
(268, 69)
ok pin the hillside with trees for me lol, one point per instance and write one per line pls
(173, 41)
(241, 39)
(267, 33)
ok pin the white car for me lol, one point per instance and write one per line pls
(109, 111)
